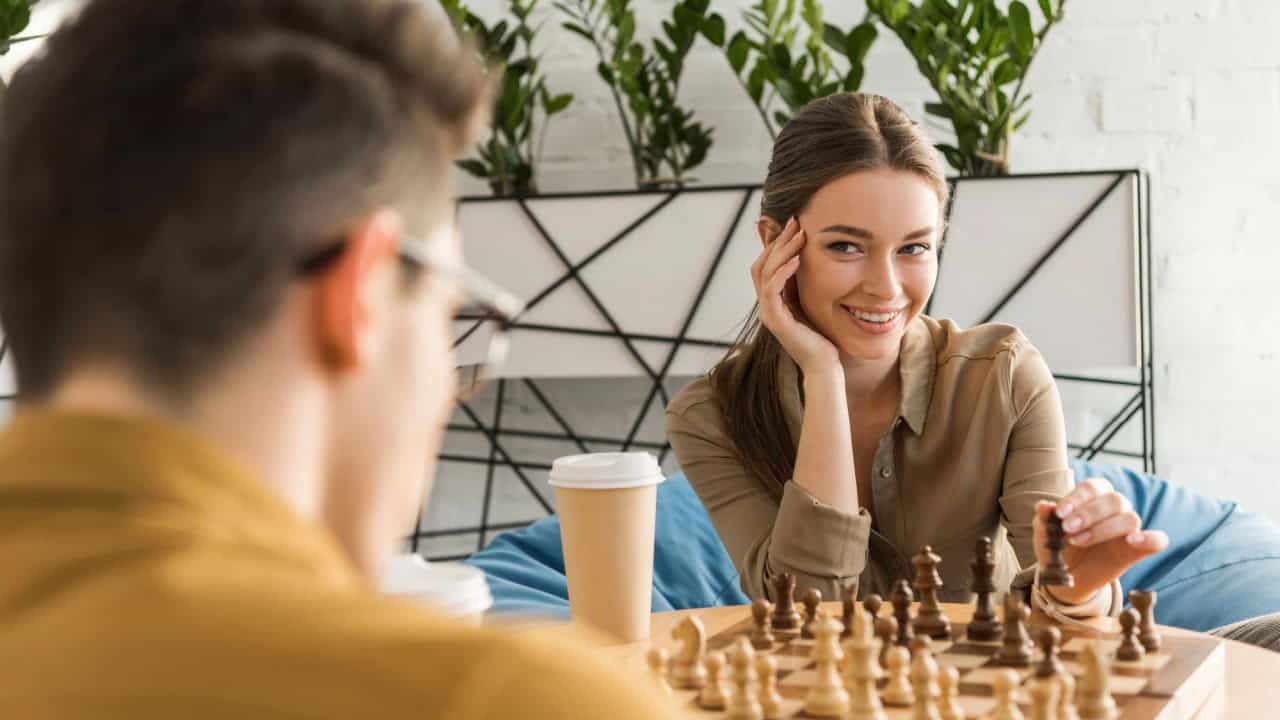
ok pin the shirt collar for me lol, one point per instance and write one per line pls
(916, 366)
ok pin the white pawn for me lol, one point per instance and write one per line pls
(862, 670)
(898, 692)
(658, 667)
(1044, 698)
(743, 703)
(770, 699)
(713, 695)
(949, 687)
(1096, 702)
(828, 698)
(1067, 697)
(924, 682)
(1006, 683)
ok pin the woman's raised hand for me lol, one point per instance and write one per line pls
(773, 273)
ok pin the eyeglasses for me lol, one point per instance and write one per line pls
(486, 317)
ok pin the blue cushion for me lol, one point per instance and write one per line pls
(1222, 564)
(691, 569)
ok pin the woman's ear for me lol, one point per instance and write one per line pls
(768, 229)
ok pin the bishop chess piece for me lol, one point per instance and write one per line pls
(862, 671)
(812, 599)
(983, 627)
(902, 598)
(1130, 649)
(659, 666)
(785, 616)
(1144, 601)
(762, 624)
(1096, 702)
(687, 668)
(1050, 665)
(848, 605)
(898, 692)
(714, 695)
(924, 682)
(744, 704)
(1055, 572)
(770, 698)
(827, 698)
(1016, 648)
(1044, 698)
(949, 694)
(930, 620)
(1005, 685)
(887, 632)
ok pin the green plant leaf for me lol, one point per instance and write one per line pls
(1006, 72)
(1024, 38)
(938, 109)
(781, 58)
(853, 79)
(755, 82)
(558, 103)
(943, 9)
(954, 156)
(739, 46)
(578, 30)
(859, 42)
(474, 168)
(626, 30)
(1048, 7)
(781, 118)
(833, 37)
(713, 29)
(606, 73)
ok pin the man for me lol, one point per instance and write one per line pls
(228, 271)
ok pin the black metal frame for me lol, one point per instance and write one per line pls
(1141, 404)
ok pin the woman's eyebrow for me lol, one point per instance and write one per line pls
(868, 235)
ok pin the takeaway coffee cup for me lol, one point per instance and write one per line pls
(607, 504)
(450, 588)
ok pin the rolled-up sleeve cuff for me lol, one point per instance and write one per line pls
(816, 539)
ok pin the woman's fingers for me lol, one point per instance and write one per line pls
(1099, 508)
(1108, 529)
(782, 251)
(1081, 494)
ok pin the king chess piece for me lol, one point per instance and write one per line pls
(930, 620)
(983, 627)
(1055, 572)
(785, 616)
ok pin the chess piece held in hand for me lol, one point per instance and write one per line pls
(785, 616)
(1055, 573)
(930, 620)
(983, 627)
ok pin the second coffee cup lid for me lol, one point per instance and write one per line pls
(606, 471)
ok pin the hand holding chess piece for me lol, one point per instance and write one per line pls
(1102, 537)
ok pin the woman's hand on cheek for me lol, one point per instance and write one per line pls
(773, 275)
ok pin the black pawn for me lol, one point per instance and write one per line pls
(901, 599)
(812, 599)
(872, 604)
(887, 631)
(1144, 601)
(983, 627)
(785, 616)
(1130, 649)
(762, 634)
(1055, 572)
(848, 605)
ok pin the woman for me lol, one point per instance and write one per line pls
(846, 429)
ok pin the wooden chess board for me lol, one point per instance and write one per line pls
(1172, 684)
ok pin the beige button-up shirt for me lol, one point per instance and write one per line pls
(977, 442)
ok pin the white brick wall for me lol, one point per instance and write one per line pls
(1188, 90)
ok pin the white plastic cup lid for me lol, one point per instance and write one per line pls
(454, 588)
(606, 471)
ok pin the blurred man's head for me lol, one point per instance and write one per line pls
(202, 203)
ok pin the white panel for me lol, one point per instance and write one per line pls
(567, 306)
(1081, 307)
(580, 226)
(8, 382)
(536, 354)
(649, 281)
(654, 353)
(476, 345)
(731, 295)
(501, 243)
(696, 359)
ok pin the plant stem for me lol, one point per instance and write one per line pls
(632, 140)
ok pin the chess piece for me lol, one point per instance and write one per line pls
(924, 680)
(1096, 702)
(714, 695)
(743, 702)
(1016, 648)
(1005, 684)
(862, 670)
(1049, 665)
(848, 604)
(659, 665)
(872, 604)
(812, 599)
(902, 598)
(887, 631)
(1144, 601)
(898, 692)
(983, 627)
(1067, 697)
(785, 616)
(1130, 649)
(929, 620)
(770, 698)
(827, 698)
(687, 668)
(762, 632)
(1055, 572)
(1044, 698)
(949, 694)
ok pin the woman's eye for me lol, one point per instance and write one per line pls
(916, 249)
(844, 248)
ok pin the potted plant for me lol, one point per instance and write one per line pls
(524, 104)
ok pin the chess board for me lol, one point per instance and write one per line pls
(1172, 684)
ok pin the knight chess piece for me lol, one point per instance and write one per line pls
(1055, 573)
(714, 695)
(901, 599)
(983, 627)
(811, 600)
(1144, 601)
(930, 619)
(688, 669)
(785, 616)
(762, 624)
(744, 703)
(1016, 648)
(1131, 648)
(770, 698)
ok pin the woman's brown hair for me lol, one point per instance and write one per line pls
(829, 138)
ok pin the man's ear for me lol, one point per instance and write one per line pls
(341, 293)
(768, 229)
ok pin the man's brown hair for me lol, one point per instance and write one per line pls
(165, 166)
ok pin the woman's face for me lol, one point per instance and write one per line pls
(870, 260)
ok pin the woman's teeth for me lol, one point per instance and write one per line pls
(878, 318)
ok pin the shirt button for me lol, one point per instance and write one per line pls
(886, 472)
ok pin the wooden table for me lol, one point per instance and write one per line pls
(1251, 690)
